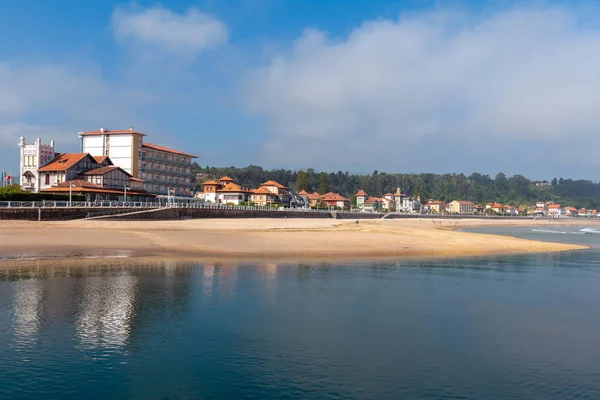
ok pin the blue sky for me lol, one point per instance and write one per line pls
(397, 86)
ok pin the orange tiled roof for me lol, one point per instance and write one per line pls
(63, 162)
(334, 197)
(103, 170)
(100, 159)
(211, 183)
(362, 193)
(262, 190)
(225, 179)
(274, 183)
(554, 206)
(233, 187)
(160, 148)
(136, 179)
(466, 202)
(303, 192)
(111, 132)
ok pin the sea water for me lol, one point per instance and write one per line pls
(508, 327)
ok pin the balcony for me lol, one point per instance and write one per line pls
(162, 171)
(166, 161)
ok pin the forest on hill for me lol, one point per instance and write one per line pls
(516, 190)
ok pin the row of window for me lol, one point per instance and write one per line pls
(166, 168)
(166, 156)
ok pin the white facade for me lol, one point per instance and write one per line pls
(121, 146)
(33, 156)
(411, 205)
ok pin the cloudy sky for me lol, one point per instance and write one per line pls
(397, 86)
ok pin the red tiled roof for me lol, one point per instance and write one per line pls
(465, 202)
(111, 132)
(303, 192)
(104, 170)
(334, 197)
(100, 159)
(160, 148)
(211, 183)
(262, 190)
(225, 179)
(136, 179)
(362, 193)
(63, 162)
(553, 206)
(232, 187)
(274, 183)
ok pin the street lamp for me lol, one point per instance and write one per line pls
(70, 193)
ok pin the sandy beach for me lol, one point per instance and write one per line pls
(265, 238)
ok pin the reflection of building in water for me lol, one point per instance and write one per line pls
(27, 311)
(219, 277)
(107, 309)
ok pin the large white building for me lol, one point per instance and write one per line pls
(33, 156)
(164, 170)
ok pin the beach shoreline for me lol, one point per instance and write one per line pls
(267, 239)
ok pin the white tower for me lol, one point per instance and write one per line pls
(33, 156)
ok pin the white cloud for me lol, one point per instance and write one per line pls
(394, 92)
(160, 28)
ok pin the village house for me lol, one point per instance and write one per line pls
(388, 202)
(263, 197)
(571, 211)
(210, 189)
(372, 204)
(336, 200)
(462, 207)
(361, 197)
(282, 192)
(233, 194)
(435, 206)
(556, 211)
(411, 205)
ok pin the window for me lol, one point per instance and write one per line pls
(47, 179)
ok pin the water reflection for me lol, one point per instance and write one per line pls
(27, 311)
(107, 308)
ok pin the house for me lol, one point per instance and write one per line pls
(398, 197)
(582, 212)
(233, 194)
(411, 205)
(282, 192)
(263, 197)
(372, 204)
(571, 211)
(435, 206)
(462, 207)
(478, 209)
(556, 211)
(361, 197)
(304, 194)
(81, 173)
(336, 200)
(388, 202)
(315, 200)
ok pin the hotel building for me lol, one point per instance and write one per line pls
(161, 168)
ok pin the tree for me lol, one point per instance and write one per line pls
(324, 185)
(303, 182)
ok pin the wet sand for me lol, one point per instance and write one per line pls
(255, 239)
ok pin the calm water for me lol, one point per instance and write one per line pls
(487, 328)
